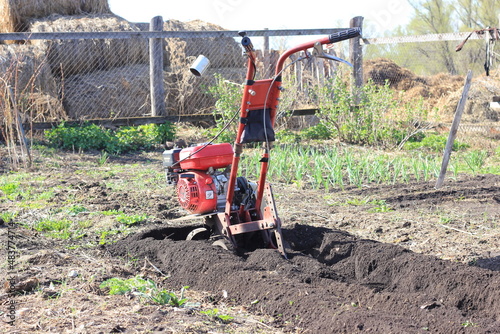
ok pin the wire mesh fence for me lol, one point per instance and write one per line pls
(59, 73)
(99, 67)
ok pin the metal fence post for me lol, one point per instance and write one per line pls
(156, 69)
(356, 56)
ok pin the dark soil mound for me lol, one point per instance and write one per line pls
(332, 282)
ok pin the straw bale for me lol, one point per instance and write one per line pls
(124, 92)
(188, 94)
(222, 51)
(16, 14)
(117, 92)
(25, 69)
(68, 57)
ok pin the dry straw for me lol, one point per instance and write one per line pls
(69, 57)
(16, 14)
(222, 51)
(26, 73)
(118, 92)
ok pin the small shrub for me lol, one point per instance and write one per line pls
(130, 220)
(228, 96)
(319, 131)
(434, 143)
(216, 315)
(286, 136)
(373, 115)
(93, 137)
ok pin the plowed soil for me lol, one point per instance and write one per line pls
(426, 261)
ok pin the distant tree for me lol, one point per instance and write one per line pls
(434, 17)
(477, 14)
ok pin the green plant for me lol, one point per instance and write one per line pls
(380, 206)
(7, 216)
(145, 289)
(10, 190)
(319, 131)
(214, 314)
(445, 220)
(228, 96)
(372, 115)
(475, 159)
(286, 136)
(75, 210)
(468, 323)
(130, 220)
(111, 212)
(84, 137)
(54, 228)
(177, 301)
(434, 143)
(93, 137)
(104, 236)
(103, 158)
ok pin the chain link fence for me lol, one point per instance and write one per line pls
(99, 67)
(429, 67)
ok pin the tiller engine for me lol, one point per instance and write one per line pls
(205, 176)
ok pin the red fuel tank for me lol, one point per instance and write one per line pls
(214, 155)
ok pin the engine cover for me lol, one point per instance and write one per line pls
(197, 193)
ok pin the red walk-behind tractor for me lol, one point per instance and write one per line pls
(236, 211)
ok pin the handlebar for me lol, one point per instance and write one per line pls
(345, 34)
(333, 38)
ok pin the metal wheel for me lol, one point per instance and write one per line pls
(201, 233)
(221, 243)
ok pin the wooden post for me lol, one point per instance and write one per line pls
(267, 56)
(356, 57)
(156, 69)
(454, 129)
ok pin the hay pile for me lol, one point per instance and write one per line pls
(69, 57)
(223, 52)
(384, 70)
(482, 92)
(122, 92)
(105, 78)
(26, 68)
(436, 91)
(17, 14)
(188, 94)
(25, 71)
(118, 92)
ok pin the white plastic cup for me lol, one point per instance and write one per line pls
(200, 65)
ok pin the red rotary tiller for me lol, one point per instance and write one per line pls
(242, 212)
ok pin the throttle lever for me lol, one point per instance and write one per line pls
(318, 52)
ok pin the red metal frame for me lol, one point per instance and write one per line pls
(261, 95)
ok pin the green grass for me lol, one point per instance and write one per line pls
(59, 229)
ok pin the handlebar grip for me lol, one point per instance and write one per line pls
(345, 34)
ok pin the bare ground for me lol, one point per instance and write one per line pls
(382, 259)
